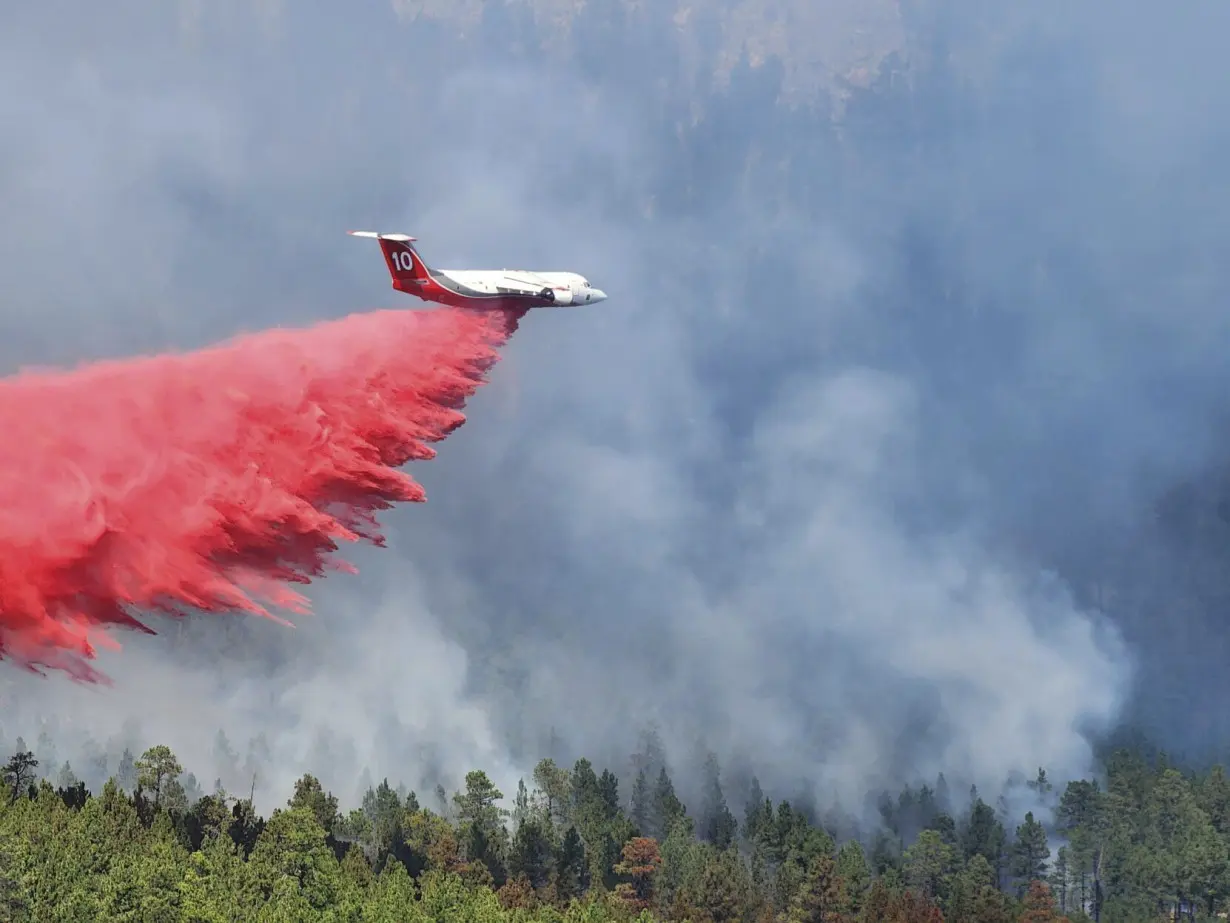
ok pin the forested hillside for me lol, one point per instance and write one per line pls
(1152, 842)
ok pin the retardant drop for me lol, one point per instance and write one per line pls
(216, 480)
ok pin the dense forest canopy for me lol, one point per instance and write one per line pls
(1152, 840)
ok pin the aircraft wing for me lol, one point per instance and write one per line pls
(521, 282)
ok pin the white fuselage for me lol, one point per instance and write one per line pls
(568, 288)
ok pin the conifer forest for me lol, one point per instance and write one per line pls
(1150, 842)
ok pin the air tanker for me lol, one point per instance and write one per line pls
(480, 289)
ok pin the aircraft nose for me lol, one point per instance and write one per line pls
(596, 294)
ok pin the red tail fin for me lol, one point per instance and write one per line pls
(406, 267)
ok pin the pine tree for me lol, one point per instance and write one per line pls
(20, 772)
(639, 862)
(521, 804)
(984, 836)
(1214, 799)
(530, 855)
(554, 787)
(718, 825)
(1192, 864)
(1040, 784)
(946, 827)
(570, 877)
(884, 853)
(516, 894)
(480, 819)
(310, 794)
(991, 905)
(1030, 853)
(927, 864)
(753, 811)
(821, 897)
(383, 812)
(943, 798)
(1082, 816)
(1059, 878)
(721, 891)
(667, 808)
(855, 875)
(641, 807)
(1039, 906)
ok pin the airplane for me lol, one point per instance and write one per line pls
(480, 289)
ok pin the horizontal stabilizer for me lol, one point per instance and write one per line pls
(380, 236)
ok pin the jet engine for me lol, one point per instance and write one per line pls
(557, 296)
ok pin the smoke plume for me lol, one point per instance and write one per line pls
(211, 480)
(837, 483)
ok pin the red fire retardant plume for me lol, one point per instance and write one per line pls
(211, 480)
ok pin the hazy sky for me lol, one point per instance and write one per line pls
(821, 486)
